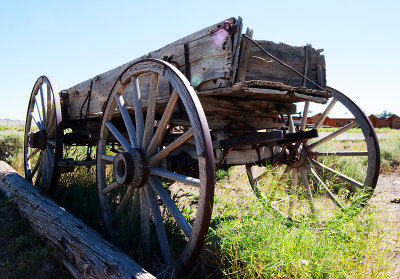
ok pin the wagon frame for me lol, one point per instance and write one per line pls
(211, 100)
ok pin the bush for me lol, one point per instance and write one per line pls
(11, 143)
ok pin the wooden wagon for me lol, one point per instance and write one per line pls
(211, 100)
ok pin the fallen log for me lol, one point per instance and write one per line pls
(85, 253)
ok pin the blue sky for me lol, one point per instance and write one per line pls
(72, 41)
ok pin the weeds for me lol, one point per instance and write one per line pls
(246, 240)
(254, 243)
(11, 145)
(24, 255)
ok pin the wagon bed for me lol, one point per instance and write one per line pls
(220, 64)
(212, 100)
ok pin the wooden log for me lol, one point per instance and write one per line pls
(210, 56)
(85, 253)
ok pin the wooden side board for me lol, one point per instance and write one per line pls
(209, 54)
(261, 67)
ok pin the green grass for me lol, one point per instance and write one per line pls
(19, 128)
(390, 151)
(11, 145)
(253, 243)
(246, 240)
(25, 255)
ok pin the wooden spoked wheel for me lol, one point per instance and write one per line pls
(154, 132)
(43, 136)
(323, 176)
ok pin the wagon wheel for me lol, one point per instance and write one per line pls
(324, 176)
(133, 171)
(43, 136)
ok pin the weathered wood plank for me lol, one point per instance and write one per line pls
(236, 48)
(261, 67)
(84, 252)
(244, 57)
(227, 105)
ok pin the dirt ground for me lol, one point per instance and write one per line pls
(387, 201)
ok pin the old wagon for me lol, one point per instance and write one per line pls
(214, 99)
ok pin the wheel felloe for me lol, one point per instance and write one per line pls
(156, 147)
(326, 175)
(43, 136)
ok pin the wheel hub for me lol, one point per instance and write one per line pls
(294, 155)
(131, 168)
(38, 140)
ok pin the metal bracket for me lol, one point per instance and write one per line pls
(87, 99)
(187, 62)
(64, 105)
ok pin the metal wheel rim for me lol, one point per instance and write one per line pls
(372, 171)
(52, 124)
(203, 148)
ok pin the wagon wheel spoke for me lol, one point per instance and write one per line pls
(336, 173)
(39, 175)
(110, 187)
(124, 202)
(52, 143)
(38, 123)
(291, 124)
(158, 221)
(174, 176)
(117, 134)
(33, 171)
(292, 193)
(144, 223)
(159, 189)
(38, 109)
(48, 107)
(151, 110)
(253, 180)
(333, 135)
(43, 176)
(43, 107)
(171, 147)
(325, 113)
(30, 155)
(305, 115)
(304, 178)
(153, 114)
(108, 159)
(49, 165)
(162, 125)
(52, 124)
(127, 120)
(330, 194)
(137, 105)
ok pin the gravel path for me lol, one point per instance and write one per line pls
(388, 212)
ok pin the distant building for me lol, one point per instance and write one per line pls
(382, 121)
(336, 120)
